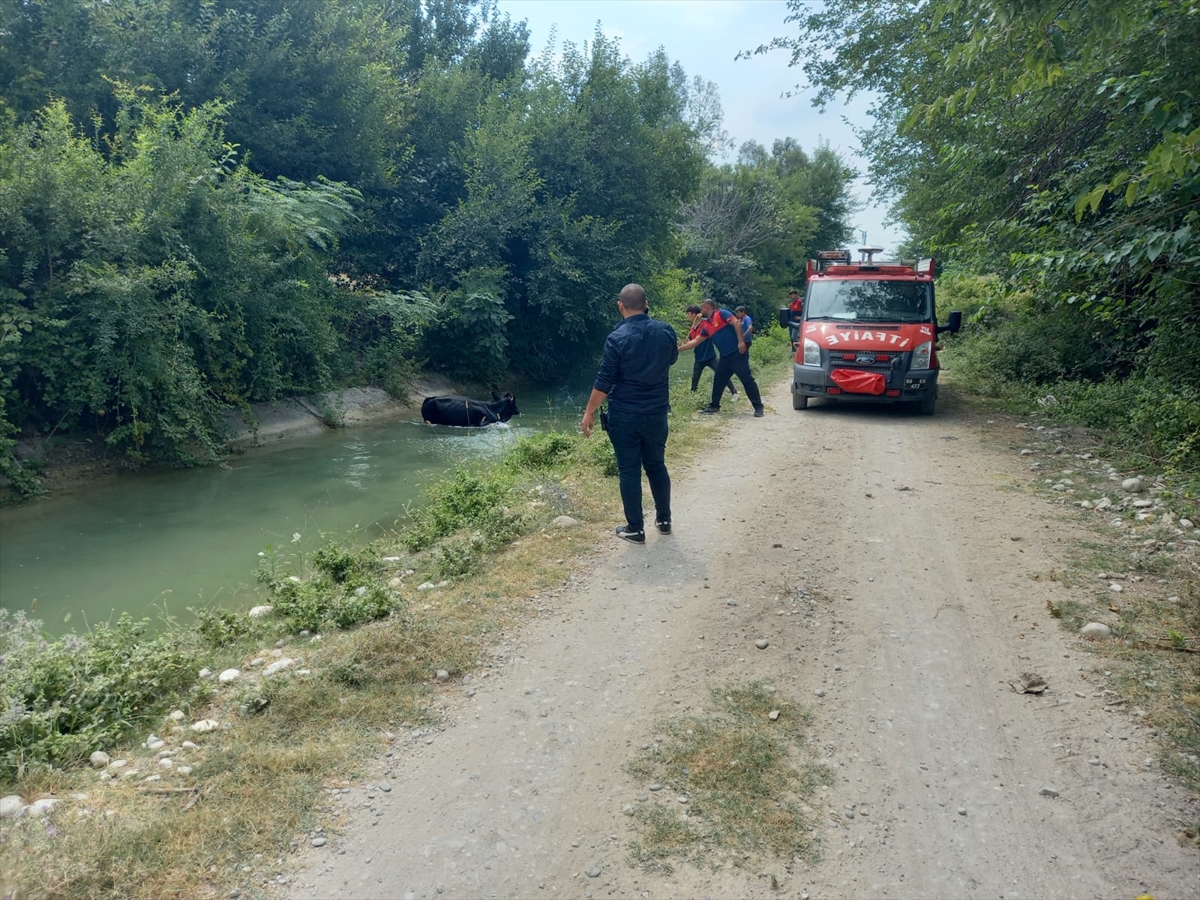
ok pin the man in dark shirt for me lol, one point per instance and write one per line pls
(725, 331)
(638, 356)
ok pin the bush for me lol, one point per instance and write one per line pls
(222, 627)
(466, 499)
(1144, 414)
(61, 700)
(542, 451)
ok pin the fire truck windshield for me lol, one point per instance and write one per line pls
(869, 301)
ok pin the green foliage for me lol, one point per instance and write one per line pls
(321, 602)
(153, 285)
(222, 627)
(466, 499)
(60, 700)
(546, 450)
(463, 556)
(337, 563)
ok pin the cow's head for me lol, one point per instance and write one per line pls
(504, 405)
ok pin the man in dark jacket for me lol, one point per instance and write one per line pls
(638, 356)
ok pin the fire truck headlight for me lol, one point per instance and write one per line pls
(812, 353)
(922, 355)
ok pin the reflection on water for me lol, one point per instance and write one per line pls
(163, 542)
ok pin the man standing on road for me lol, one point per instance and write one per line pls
(638, 356)
(726, 333)
(706, 355)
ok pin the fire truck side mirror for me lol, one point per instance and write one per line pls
(785, 316)
(953, 325)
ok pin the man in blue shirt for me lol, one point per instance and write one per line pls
(725, 331)
(747, 325)
(638, 356)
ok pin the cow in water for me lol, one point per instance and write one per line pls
(466, 413)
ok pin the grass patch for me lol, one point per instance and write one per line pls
(745, 779)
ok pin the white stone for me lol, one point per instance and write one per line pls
(177, 715)
(155, 745)
(229, 675)
(11, 806)
(565, 522)
(184, 770)
(1142, 504)
(395, 582)
(188, 745)
(1103, 503)
(99, 759)
(166, 762)
(443, 675)
(259, 612)
(205, 673)
(1133, 485)
(39, 808)
(278, 666)
(426, 586)
(1095, 631)
(1186, 523)
(391, 559)
(118, 764)
(1115, 588)
(205, 725)
(360, 592)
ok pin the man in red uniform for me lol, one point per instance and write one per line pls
(795, 308)
(726, 333)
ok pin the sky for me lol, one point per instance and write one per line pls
(704, 36)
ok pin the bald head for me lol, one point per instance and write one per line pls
(633, 298)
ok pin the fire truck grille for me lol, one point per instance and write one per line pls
(882, 368)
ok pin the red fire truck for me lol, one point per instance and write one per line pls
(868, 332)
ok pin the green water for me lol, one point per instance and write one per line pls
(157, 544)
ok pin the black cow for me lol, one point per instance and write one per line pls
(464, 412)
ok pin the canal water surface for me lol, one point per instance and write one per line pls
(156, 544)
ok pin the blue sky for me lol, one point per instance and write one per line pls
(704, 36)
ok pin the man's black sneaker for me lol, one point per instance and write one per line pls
(758, 412)
(732, 391)
(710, 410)
(627, 534)
(663, 527)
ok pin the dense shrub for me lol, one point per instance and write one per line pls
(60, 700)
(466, 499)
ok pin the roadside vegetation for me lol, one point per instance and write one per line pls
(361, 637)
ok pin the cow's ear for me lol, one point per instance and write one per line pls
(495, 396)
(508, 395)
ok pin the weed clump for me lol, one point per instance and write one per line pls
(61, 700)
(741, 769)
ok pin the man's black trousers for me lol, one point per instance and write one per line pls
(640, 441)
(737, 364)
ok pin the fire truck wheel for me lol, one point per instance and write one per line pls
(799, 401)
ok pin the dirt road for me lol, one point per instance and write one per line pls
(922, 568)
